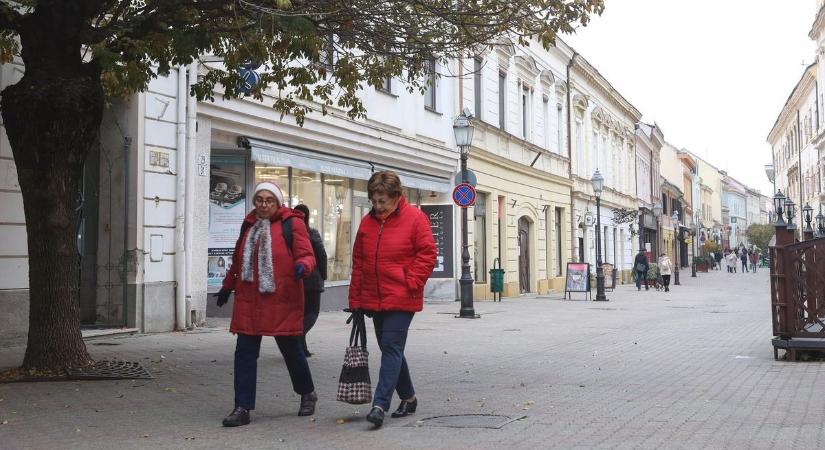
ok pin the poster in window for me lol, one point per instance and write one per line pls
(578, 278)
(227, 209)
(441, 223)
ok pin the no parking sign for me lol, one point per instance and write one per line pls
(464, 195)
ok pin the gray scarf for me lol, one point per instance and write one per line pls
(260, 240)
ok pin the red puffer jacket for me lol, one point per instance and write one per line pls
(391, 261)
(280, 313)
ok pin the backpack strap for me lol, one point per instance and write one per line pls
(286, 230)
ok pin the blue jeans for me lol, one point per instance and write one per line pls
(640, 275)
(247, 350)
(391, 333)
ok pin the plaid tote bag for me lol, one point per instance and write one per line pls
(354, 385)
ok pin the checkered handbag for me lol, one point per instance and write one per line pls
(354, 385)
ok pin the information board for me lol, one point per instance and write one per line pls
(441, 223)
(577, 279)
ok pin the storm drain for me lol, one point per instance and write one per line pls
(109, 370)
(490, 421)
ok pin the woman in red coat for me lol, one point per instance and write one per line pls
(269, 299)
(393, 256)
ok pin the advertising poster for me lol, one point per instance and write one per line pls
(227, 209)
(441, 223)
(578, 278)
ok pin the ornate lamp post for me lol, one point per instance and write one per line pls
(657, 213)
(790, 213)
(778, 206)
(598, 184)
(820, 223)
(675, 218)
(463, 130)
(693, 243)
(808, 216)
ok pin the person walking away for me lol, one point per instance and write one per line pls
(269, 298)
(718, 256)
(666, 269)
(743, 255)
(393, 256)
(314, 283)
(754, 260)
(640, 265)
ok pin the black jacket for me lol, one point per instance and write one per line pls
(641, 258)
(315, 280)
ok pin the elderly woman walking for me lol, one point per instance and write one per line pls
(665, 269)
(393, 256)
(272, 255)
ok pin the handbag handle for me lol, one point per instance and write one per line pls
(359, 329)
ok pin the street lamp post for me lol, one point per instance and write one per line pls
(675, 218)
(693, 244)
(463, 130)
(657, 213)
(598, 184)
(820, 223)
(808, 216)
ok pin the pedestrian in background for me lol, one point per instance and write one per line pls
(640, 265)
(314, 283)
(732, 258)
(743, 255)
(269, 298)
(754, 259)
(393, 256)
(665, 269)
(718, 256)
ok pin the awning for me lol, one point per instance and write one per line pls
(282, 155)
(287, 156)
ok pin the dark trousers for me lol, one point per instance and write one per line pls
(744, 266)
(666, 279)
(641, 277)
(247, 350)
(391, 333)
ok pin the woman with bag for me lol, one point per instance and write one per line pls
(314, 283)
(641, 267)
(665, 269)
(272, 255)
(393, 256)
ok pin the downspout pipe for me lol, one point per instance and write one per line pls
(799, 155)
(191, 170)
(180, 205)
(570, 157)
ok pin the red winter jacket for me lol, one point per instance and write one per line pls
(280, 313)
(391, 261)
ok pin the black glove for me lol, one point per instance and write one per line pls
(223, 297)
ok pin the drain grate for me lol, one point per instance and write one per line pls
(490, 421)
(109, 370)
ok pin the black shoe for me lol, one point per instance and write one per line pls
(405, 408)
(238, 417)
(308, 404)
(376, 416)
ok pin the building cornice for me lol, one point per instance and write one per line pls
(788, 113)
(592, 76)
(819, 21)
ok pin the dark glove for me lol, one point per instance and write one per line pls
(223, 297)
(299, 271)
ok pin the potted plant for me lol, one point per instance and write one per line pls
(652, 274)
(701, 263)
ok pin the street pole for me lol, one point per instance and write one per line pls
(599, 272)
(466, 282)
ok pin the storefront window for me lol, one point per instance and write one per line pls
(273, 174)
(306, 189)
(338, 227)
(480, 238)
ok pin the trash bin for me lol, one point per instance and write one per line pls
(496, 279)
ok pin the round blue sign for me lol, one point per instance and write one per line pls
(464, 195)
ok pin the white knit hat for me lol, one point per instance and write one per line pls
(271, 187)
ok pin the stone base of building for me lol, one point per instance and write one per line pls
(14, 316)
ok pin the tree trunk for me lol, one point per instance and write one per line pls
(52, 117)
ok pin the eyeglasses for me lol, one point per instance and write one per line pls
(268, 201)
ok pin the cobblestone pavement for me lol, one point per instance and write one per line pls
(692, 368)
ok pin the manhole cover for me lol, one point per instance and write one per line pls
(109, 370)
(491, 421)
